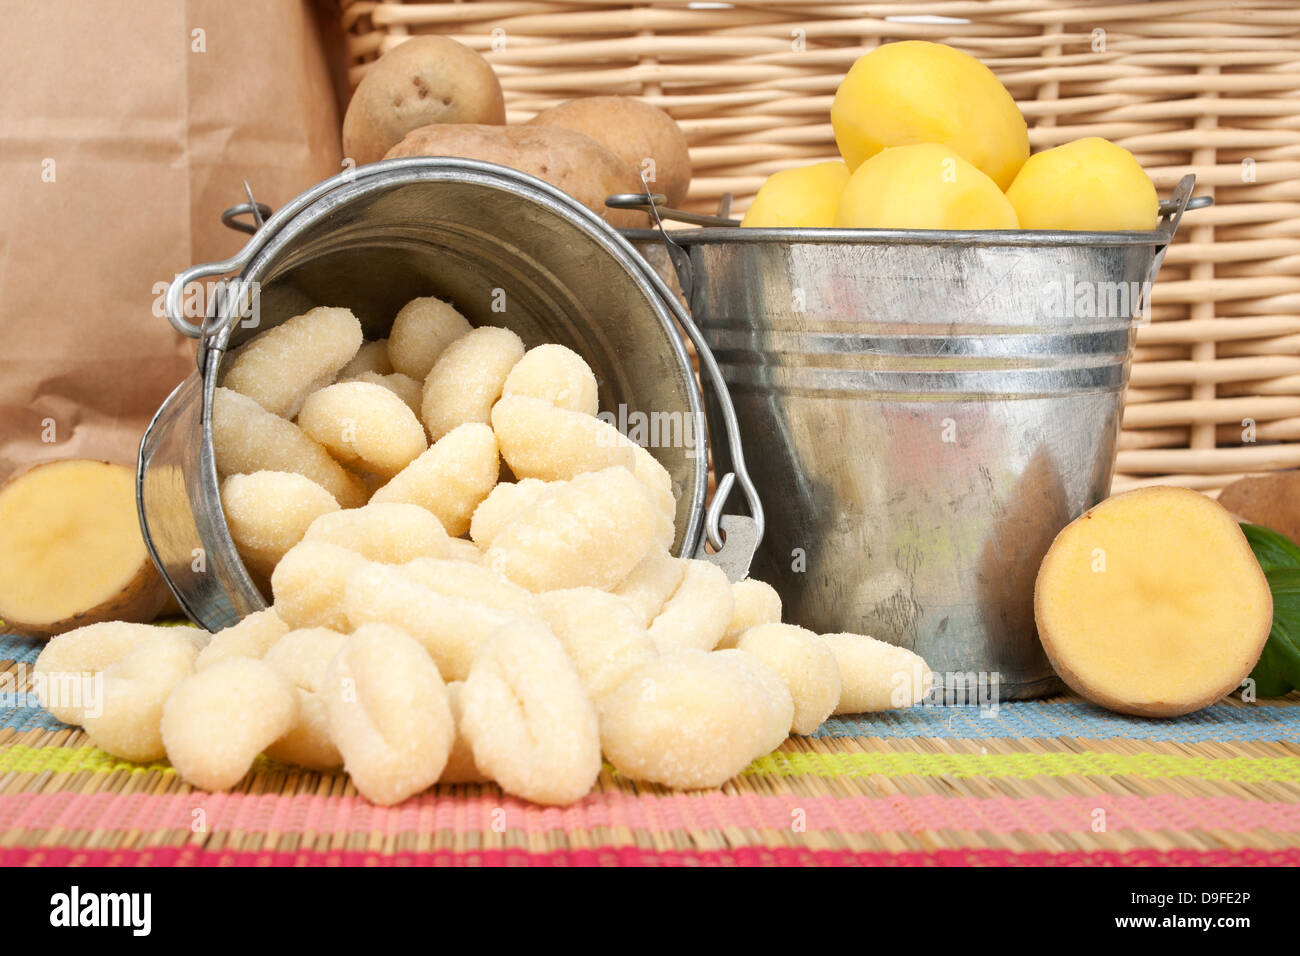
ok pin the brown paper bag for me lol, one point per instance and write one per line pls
(126, 127)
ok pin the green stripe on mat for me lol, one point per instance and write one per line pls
(1022, 765)
(20, 758)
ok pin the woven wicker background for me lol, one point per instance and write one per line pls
(1199, 86)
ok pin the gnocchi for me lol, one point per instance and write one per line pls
(217, 721)
(687, 719)
(591, 533)
(390, 532)
(421, 332)
(877, 676)
(127, 724)
(309, 584)
(451, 479)
(697, 614)
(756, 602)
(364, 425)
(806, 665)
(301, 658)
(388, 714)
(556, 375)
(467, 379)
(528, 718)
(601, 635)
(251, 637)
(282, 366)
(268, 512)
(247, 438)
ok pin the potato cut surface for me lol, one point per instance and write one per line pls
(71, 544)
(1152, 603)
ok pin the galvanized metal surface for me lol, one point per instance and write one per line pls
(923, 413)
(372, 240)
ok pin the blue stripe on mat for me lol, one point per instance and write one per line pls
(1027, 718)
(23, 713)
(19, 649)
(1072, 718)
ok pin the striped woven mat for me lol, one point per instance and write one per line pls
(1050, 782)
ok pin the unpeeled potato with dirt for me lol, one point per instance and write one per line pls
(1269, 500)
(643, 136)
(570, 161)
(426, 80)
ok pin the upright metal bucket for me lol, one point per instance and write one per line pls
(923, 412)
(508, 250)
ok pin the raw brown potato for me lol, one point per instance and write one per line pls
(570, 161)
(642, 136)
(1152, 603)
(425, 80)
(71, 552)
(1269, 500)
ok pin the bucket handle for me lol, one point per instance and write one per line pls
(734, 538)
(234, 297)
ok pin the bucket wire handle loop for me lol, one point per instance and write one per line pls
(176, 291)
(261, 235)
(657, 204)
(1171, 214)
(715, 518)
(258, 210)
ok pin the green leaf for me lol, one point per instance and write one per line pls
(1278, 668)
(1272, 550)
(1284, 638)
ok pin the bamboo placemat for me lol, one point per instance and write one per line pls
(1051, 782)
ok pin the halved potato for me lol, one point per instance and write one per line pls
(71, 552)
(1152, 603)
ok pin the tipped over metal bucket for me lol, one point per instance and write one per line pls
(923, 412)
(506, 249)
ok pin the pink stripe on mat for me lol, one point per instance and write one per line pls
(657, 813)
(635, 856)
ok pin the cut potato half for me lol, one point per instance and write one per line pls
(71, 552)
(1152, 603)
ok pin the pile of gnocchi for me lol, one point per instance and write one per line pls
(472, 581)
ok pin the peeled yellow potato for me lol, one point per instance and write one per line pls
(71, 552)
(1152, 603)
(921, 92)
(926, 186)
(805, 197)
(1087, 184)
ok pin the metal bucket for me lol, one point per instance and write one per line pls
(928, 409)
(508, 250)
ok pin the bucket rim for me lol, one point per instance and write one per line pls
(988, 238)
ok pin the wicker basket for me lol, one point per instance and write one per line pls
(1204, 86)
